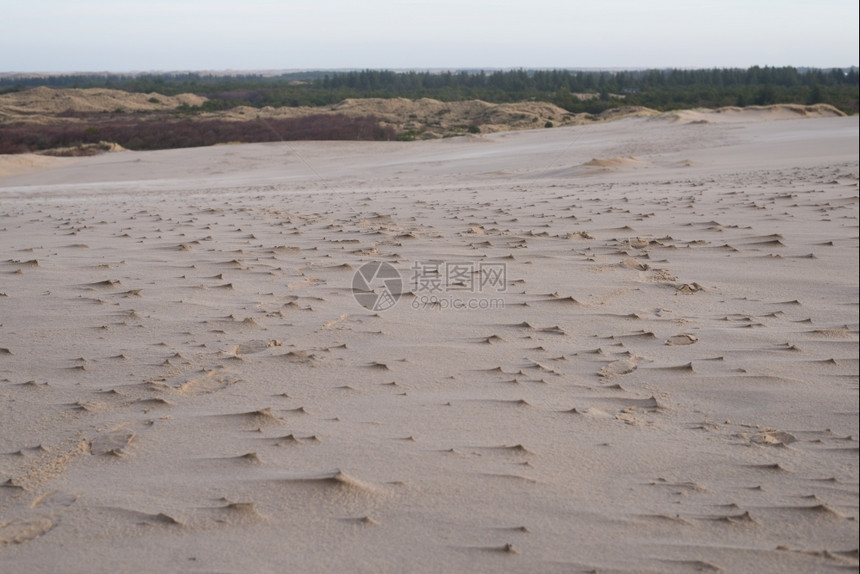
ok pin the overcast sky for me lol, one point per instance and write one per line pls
(170, 35)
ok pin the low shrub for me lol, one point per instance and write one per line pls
(167, 132)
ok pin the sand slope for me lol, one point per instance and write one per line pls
(27, 162)
(663, 379)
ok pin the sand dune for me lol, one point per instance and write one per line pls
(753, 113)
(43, 100)
(626, 347)
(28, 162)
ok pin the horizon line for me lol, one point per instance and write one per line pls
(274, 71)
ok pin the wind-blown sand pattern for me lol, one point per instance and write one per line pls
(188, 383)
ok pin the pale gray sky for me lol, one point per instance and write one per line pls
(138, 35)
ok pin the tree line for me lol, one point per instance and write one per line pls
(661, 89)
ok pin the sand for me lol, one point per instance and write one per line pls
(42, 101)
(624, 347)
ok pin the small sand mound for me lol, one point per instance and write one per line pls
(24, 529)
(201, 382)
(773, 438)
(252, 347)
(112, 443)
(615, 163)
(262, 416)
(631, 263)
(332, 479)
(682, 339)
(616, 368)
(238, 513)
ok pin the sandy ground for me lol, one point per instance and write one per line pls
(624, 347)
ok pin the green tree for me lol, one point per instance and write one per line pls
(765, 96)
(816, 95)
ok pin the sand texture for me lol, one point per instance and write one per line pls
(646, 361)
